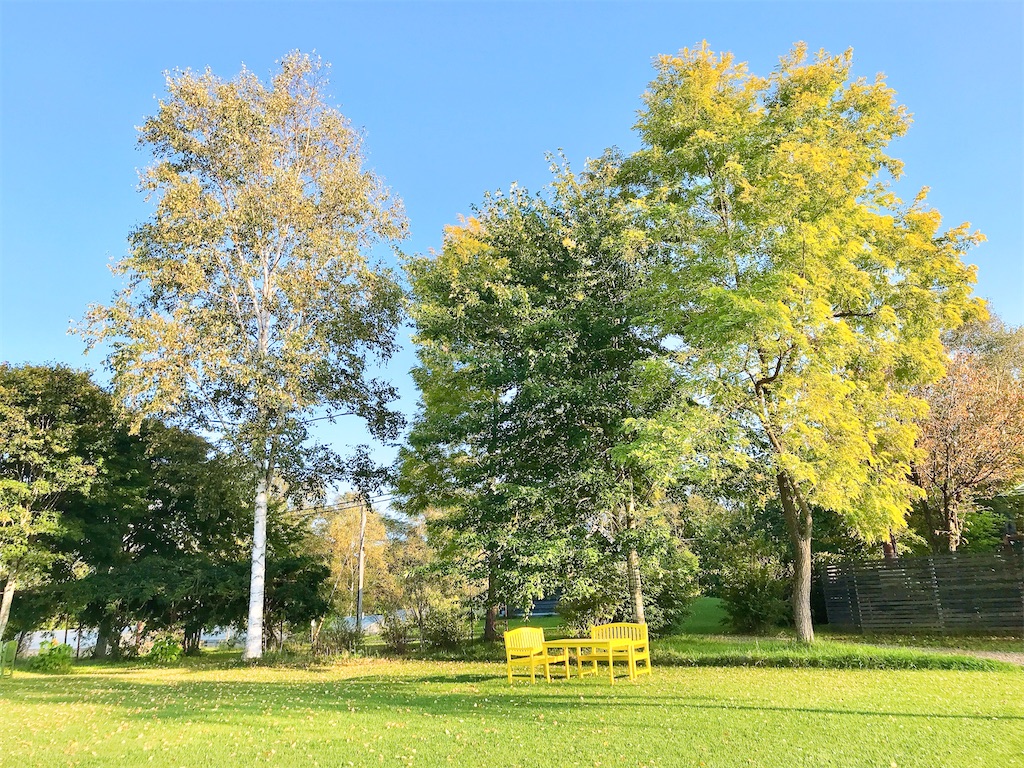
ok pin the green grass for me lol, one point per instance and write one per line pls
(713, 700)
(825, 653)
(701, 643)
(727, 651)
(994, 643)
(707, 617)
(426, 713)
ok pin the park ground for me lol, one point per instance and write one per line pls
(711, 701)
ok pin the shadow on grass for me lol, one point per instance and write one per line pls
(626, 705)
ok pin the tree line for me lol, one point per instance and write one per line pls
(740, 324)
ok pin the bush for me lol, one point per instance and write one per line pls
(126, 651)
(444, 626)
(755, 582)
(165, 650)
(396, 632)
(338, 635)
(54, 658)
(670, 587)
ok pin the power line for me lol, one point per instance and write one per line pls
(348, 505)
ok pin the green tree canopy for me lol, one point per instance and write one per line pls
(536, 359)
(41, 409)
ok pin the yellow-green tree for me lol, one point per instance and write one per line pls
(805, 297)
(249, 301)
(343, 531)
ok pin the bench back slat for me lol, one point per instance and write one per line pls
(524, 639)
(619, 631)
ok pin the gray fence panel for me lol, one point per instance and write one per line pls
(945, 593)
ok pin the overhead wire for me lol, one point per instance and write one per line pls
(340, 507)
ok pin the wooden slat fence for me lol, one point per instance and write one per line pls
(945, 594)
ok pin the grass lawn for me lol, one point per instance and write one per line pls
(707, 617)
(216, 712)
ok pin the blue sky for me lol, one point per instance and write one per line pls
(456, 99)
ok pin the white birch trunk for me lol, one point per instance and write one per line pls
(258, 578)
(5, 606)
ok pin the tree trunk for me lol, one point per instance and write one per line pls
(491, 617)
(190, 640)
(258, 578)
(955, 528)
(636, 592)
(102, 649)
(951, 521)
(929, 523)
(5, 606)
(798, 523)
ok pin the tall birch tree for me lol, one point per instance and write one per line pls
(250, 305)
(808, 297)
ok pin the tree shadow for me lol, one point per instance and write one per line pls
(632, 705)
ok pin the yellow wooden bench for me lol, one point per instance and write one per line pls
(637, 633)
(524, 647)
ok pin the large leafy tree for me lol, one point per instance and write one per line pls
(41, 411)
(165, 520)
(250, 304)
(533, 333)
(808, 298)
(972, 440)
(460, 467)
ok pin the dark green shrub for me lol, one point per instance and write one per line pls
(597, 599)
(599, 592)
(54, 658)
(670, 587)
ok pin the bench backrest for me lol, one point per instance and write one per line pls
(524, 640)
(621, 631)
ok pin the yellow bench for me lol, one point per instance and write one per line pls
(524, 647)
(636, 633)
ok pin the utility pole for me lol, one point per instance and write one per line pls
(361, 567)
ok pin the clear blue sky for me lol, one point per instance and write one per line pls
(456, 99)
